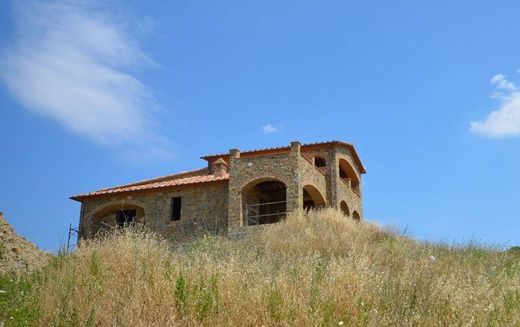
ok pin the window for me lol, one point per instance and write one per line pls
(320, 162)
(176, 209)
(126, 217)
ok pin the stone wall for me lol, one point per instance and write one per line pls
(204, 208)
(353, 200)
(311, 175)
(325, 153)
(217, 207)
(342, 189)
(246, 171)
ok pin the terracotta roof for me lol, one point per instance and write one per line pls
(306, 146)
(221, 161)
(157, 183)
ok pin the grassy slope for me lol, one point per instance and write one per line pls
(315, 269)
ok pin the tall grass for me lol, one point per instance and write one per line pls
(318, 268)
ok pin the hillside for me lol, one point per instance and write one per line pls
(18, 255)
(319, 268)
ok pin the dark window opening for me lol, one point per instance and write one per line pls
(126, 217)
(344, 208)
(356, 216)
(320, 162)
(342, 173)
(176, 209)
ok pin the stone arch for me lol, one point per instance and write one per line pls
(262, 178)
(344, 208)
(348, 174)
(264, 201)
(116, 214)
(356, 216)
(312, 197)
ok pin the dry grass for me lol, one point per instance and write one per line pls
(314, 269)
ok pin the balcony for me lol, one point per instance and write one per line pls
(265, 213)
(354, 186)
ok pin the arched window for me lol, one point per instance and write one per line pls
(356, 216)
(347, 174)
(344, 208)
(120, 215)
(312, 198)
(265, 202)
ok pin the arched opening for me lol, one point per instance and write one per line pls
(265, 202)
(312, 198)
(117, 216)
(356, 216)
(344, 208)
(348, 175)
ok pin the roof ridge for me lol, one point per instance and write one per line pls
(281, 148)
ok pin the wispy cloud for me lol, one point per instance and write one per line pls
(504, 121)
(75, 63)
(269, 129)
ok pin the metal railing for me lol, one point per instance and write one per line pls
(265, 213)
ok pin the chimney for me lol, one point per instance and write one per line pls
(219, 167)
(234, 153)
(295, 147)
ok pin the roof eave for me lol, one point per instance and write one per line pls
(81, 197)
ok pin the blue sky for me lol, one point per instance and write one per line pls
(95, 94)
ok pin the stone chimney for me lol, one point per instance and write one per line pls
(296, 147)
(234, 153)
(219, 167)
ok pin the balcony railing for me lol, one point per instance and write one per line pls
(354, 188)
(265, 213)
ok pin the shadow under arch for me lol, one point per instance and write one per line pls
(264, 201)
(117, 216)
(356, 216)
(348, 174)
(344, 208)
(312, 198)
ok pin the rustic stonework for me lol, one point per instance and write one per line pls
(217, 204)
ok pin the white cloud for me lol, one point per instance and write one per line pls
(504, 121)
(500, 81)
(73, 62)
(269, 129)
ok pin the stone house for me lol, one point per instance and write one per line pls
(235, 190)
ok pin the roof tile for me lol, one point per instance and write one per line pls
(155, 185)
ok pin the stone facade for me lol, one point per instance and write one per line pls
(235, 191)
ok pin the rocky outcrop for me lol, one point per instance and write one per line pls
(18, 255)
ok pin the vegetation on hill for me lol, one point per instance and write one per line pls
(319, 268)
(18, 255)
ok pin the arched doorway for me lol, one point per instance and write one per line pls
(117, 216)
(348, 174)
(312, 198)
(264, 202)
(344, 208)
(356, 216)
